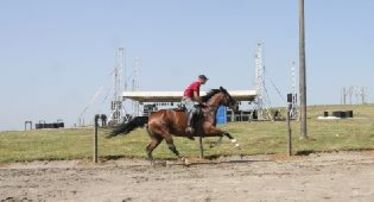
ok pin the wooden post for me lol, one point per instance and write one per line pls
(95, 149)
(289, 130)
(201, 147)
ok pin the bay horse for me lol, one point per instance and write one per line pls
(162, 124)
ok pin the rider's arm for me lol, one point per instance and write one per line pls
(197, 98)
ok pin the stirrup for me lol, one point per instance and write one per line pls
(190, 132)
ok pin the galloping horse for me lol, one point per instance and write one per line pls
(165, 123)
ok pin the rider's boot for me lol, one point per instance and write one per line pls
(190, 130)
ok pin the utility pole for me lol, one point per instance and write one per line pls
(302, 72)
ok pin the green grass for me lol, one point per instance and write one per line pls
(254, 137)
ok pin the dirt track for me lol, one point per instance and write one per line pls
(344, 176)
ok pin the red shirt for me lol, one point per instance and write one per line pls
(195, 86)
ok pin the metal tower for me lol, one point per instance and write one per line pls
(294, 107)
(364, 95)
(357, 92)
(262, 98)
(116, 104)
(344, 96)
(135, 86)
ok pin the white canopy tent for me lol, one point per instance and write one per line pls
(176, 96)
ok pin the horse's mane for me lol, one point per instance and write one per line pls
(210, 94)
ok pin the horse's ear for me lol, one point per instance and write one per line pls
(222, 89)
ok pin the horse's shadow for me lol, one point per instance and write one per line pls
(224, 162)
(207, 160)
(214, 160)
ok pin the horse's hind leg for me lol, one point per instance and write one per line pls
(169, 140)
(151, 146)
(155, 141)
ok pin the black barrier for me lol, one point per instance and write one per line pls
(340, 114)
(349, 113)
(43, 124)
(28, 123)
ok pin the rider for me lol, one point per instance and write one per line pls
(191, 97)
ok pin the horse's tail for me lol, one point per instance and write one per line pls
(126, 127)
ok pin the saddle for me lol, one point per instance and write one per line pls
(180, 108)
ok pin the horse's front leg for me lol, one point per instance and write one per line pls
(233, 140)
(213, 131)
(216, 143)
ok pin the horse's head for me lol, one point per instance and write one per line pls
(220, 96)
(227, 100)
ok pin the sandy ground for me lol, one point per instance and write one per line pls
(343, 176)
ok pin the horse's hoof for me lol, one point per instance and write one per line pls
(151, 160)
(237, 146)
(160, 163)
(186, 161)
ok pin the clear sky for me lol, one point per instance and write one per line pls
(54, 55)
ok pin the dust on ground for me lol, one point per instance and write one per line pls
(340, 176)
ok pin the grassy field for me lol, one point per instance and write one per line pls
(254, 137)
